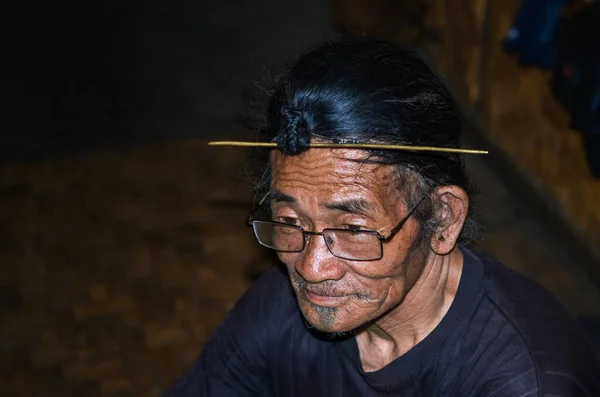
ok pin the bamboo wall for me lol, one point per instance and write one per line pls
(514, 105)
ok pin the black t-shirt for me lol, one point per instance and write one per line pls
(502, 336)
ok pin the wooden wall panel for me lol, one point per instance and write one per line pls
(522, 117)
(461, 40)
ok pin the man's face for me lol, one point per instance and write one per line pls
(324, 188)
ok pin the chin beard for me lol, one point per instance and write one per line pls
(327, 316)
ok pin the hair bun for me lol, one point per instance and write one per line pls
(294, 135)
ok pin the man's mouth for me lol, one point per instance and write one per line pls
(323, 298)
(325, 292)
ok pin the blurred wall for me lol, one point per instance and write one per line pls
(87, 75)
(514, 106)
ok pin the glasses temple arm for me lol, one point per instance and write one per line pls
(400, 225)
(250, 216)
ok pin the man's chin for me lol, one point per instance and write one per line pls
(325, 319)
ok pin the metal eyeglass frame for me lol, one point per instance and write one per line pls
(382, 239)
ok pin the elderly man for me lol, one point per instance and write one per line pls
(381, 294)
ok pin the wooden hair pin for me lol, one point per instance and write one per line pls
(354, 146)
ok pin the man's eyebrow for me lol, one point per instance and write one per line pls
(276, 196)
(352, 206)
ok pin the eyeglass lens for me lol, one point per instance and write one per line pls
(346, 244)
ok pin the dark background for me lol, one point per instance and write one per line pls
(85, 75)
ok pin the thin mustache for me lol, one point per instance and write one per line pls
(324, 289)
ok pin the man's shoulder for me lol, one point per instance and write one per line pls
(274, 280)
(519, 297)
(558, 351)
(269, 302)
(525, 303)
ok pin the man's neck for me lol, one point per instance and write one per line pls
(420, 312)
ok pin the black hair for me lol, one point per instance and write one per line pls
(371, 91)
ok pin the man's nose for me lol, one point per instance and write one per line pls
(317, 263)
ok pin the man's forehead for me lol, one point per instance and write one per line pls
(341, 160)
(343, 168)
(332, 153)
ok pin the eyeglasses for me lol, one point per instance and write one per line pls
(360, 245)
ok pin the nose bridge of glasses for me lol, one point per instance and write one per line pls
(307, 235)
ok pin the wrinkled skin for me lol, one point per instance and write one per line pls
(337, 295)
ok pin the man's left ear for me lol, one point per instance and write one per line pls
(452, 214)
